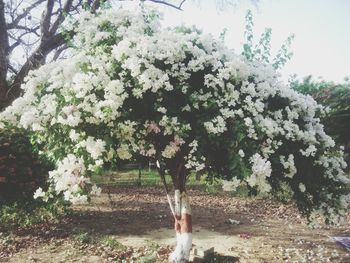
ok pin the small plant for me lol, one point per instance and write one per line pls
(112, 243)
(83, 236)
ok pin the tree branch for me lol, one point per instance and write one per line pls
(178, 7)
(18, 40)
(46, 18)
(59, 51)
(24, 14)
(14, 45)
(4, 50)
(28, 29)
(61, 17)
(14, 71)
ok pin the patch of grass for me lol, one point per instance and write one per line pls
(83, 236)
(112, 243)
(31, 212)
(6, 238)
(150, 178)
(129, 177)
(87, 237)
(152, 246)
(150, 258)
(241, 191)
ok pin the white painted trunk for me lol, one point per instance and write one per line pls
(183, 228)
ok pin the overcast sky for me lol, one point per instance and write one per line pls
(321, 27)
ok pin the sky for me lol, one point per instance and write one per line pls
(322, 30)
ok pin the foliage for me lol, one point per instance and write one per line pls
(334, 96)
(261, 51)
(21, 171)
(132, 89)
(29, 212)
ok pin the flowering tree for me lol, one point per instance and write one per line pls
(132, 89)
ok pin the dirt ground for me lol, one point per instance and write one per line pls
(134, 224)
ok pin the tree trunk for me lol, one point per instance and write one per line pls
(183, 228)
(4, 47)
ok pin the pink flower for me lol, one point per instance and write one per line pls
(153, 127)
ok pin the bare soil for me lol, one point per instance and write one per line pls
(140, 220)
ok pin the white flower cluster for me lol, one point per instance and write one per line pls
(123, 152)
(288, 165)
(261, 169)
(174, 146)
(231, 185)
(69, 179)
(94, 147)
(216, 126)
(192, 161)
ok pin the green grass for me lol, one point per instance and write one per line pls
(26, 213)
(149, 178)
(111, 242)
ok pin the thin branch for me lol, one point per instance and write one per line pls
(78, 4)
(16, 38)
(61, 17)
(182, 2)
(59, 51)
(28, 29)
(16, 44)
(24, 14)
(162, 176)
(178, 7)
(14, 71)
(13, 9)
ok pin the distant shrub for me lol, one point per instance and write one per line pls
(21, 172)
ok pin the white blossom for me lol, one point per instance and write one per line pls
(39, 193)
(241, 153)
(230, 185)
(261, 169)
(302, 187)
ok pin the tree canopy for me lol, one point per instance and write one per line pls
(130, 88)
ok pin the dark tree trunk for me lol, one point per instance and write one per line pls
(4, 48)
